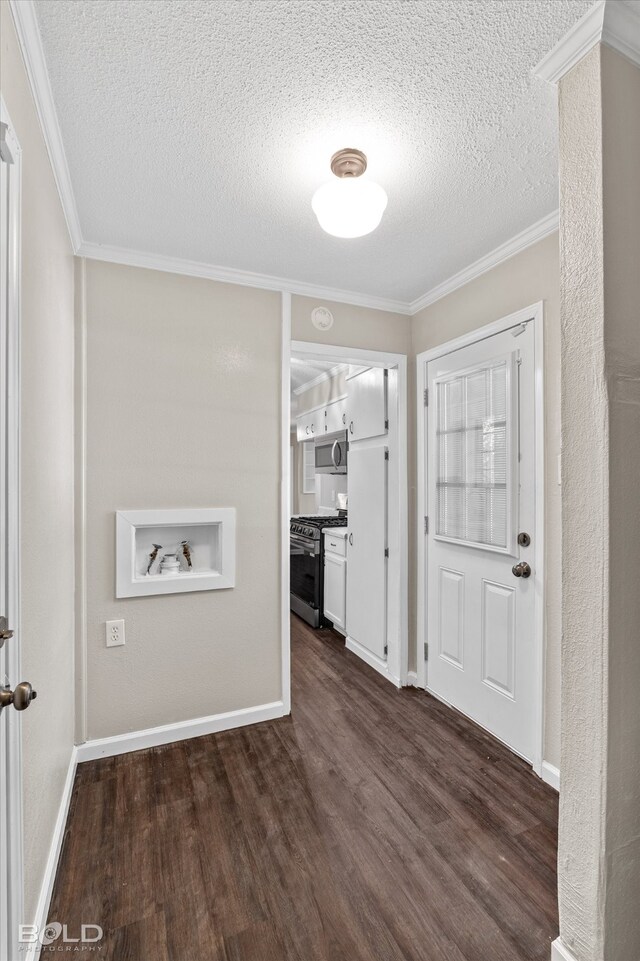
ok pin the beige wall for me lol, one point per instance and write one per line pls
(530, 276)
(46, 399)
(353, 326)
(183, 410)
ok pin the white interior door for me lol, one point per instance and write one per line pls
(367, 543)
(10, 768)
(480, 499)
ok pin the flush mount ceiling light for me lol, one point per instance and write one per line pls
(349, 206)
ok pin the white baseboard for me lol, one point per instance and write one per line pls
(412, 679)
(551, 774)
(32, 951)
(375, 662)
(561, 953)
(167, 733)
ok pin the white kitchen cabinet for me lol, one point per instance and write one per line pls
(367, 404)
(366, 551)
(335, 579)
(307, 425)
(335, 418)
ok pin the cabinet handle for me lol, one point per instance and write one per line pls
(351, 539)
(351, 427)
(344, 417)
(307, 428)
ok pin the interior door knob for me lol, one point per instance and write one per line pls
(21, 698)
(521, 570)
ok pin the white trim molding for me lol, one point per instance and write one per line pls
(32, 951)
(559, 952)
(613, 22)
(526, 238)
(230, 275)
(551, 774)
(396, 666)
(375, 662)
(10, 323)
(181, 731)
(26, 24)
(285, 502)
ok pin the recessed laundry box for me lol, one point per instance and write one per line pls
(173, 551)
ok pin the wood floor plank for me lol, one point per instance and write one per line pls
(371, 825)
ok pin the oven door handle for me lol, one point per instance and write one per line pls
(307, 547)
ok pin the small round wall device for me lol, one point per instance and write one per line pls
(321, 318)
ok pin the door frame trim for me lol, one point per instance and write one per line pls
(14, 743)
(396, 668)
(534, 314)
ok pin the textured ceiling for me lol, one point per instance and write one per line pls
(200, 130)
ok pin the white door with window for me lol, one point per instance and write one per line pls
(480, 500)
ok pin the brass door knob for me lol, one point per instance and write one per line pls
(21, 698)
(521, 570)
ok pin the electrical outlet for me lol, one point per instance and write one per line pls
(114, 633)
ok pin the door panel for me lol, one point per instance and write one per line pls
(367, 541)
(451, 632)
(480, 473)
(335, 584)
(498, 637)
(367, 404)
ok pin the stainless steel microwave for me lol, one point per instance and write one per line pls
(331, 453)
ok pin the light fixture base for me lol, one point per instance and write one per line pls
(348, 163)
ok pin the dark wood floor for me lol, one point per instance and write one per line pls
(372, 825)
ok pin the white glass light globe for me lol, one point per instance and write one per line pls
(349, 206)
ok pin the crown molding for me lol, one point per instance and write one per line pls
(28, 32)
(321, 378)
(538, 231)
(613, 22)
(622, 29)
(229, 275)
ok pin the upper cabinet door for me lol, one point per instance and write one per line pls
(335, 417)
(367, 404)
(306, 425)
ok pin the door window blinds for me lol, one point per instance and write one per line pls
(471, 450)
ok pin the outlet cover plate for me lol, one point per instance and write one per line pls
(114, 633)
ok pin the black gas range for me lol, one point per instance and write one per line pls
(307, 564)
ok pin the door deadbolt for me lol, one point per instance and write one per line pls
(523, 539)
(21, 698)
(521, 570)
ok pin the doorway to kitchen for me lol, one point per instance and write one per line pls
(348, 531)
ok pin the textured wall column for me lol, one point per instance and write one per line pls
(599, 856)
